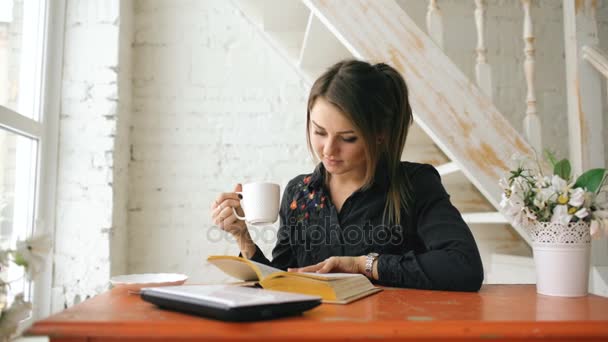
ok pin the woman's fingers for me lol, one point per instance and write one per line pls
(332, 264)
(329, 265)
(227, 195)
(229, 203)
(311, 268)
(224, 214)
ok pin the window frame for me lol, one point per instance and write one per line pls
(52, 73)
(46, 131)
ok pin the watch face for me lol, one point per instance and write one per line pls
(373, 255)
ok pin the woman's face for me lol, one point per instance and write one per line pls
(335, 140)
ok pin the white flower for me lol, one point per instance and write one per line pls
(519, 186)
(538, 203)
(34, 251)
(542, 182)
(543, 196)
(577, 197)
(559, 185)
(512, 205)
(582, 213)
(19, 311)
(513, 208)
(560, 215)
(529, 214)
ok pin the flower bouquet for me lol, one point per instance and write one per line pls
(561, 214)
(30, 255)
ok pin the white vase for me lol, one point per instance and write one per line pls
(561, 257)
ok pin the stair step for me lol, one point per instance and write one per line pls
(320, 49)
(291, 41)
(447, 168)
(485, 217)
(285, 16)
(511, 269)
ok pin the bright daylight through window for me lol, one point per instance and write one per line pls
(22, 135)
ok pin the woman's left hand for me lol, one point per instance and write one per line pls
(335, 265)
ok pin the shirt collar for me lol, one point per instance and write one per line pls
(381, 178)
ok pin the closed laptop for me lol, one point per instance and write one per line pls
(229, 302)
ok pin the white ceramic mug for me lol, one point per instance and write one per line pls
(260, 203)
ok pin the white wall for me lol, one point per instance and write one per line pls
(120, 167)
(602, 23)
(88, 152)
(212, 105)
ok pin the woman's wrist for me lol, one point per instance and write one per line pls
(361, 260)
(362, 263)
(246, 244)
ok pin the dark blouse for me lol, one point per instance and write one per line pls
(433, 247)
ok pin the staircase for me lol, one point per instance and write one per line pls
(454, 118)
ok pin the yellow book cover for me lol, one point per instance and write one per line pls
(338, 288)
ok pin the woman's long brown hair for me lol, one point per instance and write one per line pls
(375, 100)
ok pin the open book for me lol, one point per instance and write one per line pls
(339, 288)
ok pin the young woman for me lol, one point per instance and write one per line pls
(363, 210)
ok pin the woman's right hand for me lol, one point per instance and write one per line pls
(223, 216)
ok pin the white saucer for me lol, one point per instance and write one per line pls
(135, 282)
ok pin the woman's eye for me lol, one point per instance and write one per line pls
(319, 133)
(349, 139)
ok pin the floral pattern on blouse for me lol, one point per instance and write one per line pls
(306, 201)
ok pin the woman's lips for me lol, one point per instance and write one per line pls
(332, 162)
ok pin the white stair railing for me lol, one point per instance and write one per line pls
(483, 71)
(531, 121)
(434, 23)
(597, 58)
(583, 85)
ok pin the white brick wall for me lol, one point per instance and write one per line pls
(88, 165)
(212, 105)
(119, 236)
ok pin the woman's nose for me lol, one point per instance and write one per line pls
(330, 148)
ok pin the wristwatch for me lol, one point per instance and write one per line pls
(369, 263)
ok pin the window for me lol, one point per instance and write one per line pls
(30, 64)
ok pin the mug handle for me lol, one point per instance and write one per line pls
(234, 210)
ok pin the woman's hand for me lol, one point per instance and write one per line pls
(223, 216)
(335, 265)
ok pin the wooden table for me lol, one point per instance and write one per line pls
(509, 312)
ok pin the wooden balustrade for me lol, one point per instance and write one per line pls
(483, 71)
(531, 121)
(434, 23)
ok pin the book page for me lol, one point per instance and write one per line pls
(318, 276)
(235, 267)
(326, 276)
(265, 270)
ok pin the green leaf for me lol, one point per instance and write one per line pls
(591, 180)
(19, 260)
(562, 169)
(550, 157)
